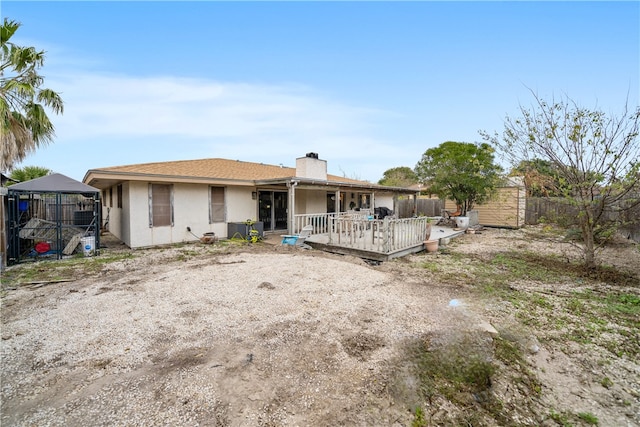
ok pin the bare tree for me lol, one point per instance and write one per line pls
(596, 157)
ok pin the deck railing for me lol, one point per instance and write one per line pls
(361, 231)
(320, 222)
(385, 236)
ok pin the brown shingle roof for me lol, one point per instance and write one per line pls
(214, 168)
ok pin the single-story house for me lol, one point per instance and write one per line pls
(170, 202)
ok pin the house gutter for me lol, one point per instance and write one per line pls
(337, 184)
(93, 177)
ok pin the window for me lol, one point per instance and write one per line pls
(160, 205)
(119, 195)
(110, 197)
(216, 205)
(365, 201)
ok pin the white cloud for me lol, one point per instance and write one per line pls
(197, 108)
(137, 119)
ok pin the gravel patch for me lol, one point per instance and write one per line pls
(269, 338)
(203, 335)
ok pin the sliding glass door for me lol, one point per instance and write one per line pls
(273, 209)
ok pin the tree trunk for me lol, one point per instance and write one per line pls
(589, 248)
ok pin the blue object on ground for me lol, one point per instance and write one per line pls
(289, 240)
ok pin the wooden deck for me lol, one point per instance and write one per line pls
(378, 240)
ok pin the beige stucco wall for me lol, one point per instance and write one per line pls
(300, 202)
(141, 235)
(125, 212)
(350, 196)
(309, 201)
(240, 205)
(384, 200)
(116, 217)
(190, 209)
(308, 167)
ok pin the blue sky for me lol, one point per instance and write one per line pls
(367, 85)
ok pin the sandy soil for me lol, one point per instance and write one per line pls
(265, 335)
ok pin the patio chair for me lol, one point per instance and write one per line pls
(298, 239)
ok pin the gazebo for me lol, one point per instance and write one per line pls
(52, 216)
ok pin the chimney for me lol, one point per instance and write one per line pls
(311, 167)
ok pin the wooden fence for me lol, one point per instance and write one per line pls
(511, 209)
(543, 209)
(424, 207)
(558, 210)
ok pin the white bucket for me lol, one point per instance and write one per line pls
(88, 245)
(462, 222)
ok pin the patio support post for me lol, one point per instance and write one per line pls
(291, 208)
(336, 205)
(395, 205)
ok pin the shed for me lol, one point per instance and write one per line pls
(51, 216)
(506, 209)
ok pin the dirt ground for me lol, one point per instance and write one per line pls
(271, 335)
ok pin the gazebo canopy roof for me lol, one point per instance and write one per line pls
(54, 183)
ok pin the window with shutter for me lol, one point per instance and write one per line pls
(217, 208)
(160, 205)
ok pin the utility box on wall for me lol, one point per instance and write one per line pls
(243, 229)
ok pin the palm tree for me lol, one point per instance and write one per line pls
(24, 122)
(29, 172)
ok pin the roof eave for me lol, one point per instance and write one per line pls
(95, 175)
(331, 183)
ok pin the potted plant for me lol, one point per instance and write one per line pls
(430, 245)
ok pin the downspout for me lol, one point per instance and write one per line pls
(291, 217)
